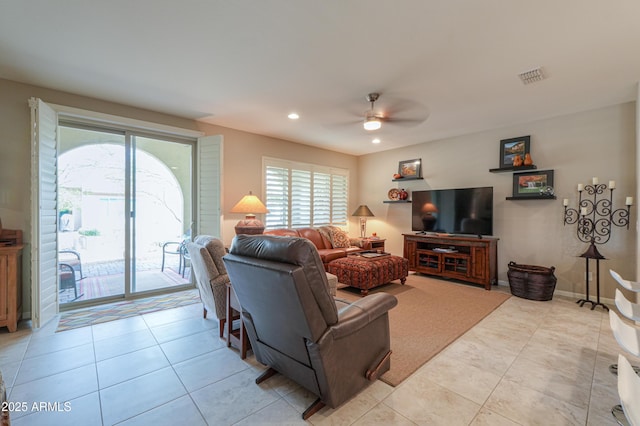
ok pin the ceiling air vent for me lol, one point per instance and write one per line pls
(531, 76)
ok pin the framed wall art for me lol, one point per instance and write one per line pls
(509, 148)
(530, 184)
(410, 168)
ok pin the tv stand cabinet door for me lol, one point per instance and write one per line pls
(455, 265)
(479, 264)
(410, 248)
(429, 262)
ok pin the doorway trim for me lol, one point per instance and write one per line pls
(39, 292)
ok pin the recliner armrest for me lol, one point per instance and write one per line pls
(362, 312)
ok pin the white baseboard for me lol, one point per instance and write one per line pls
(570, 294)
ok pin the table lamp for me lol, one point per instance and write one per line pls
(364, 212)
(250, 205)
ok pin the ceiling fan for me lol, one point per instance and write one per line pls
(373, 119)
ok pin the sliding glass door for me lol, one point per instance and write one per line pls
(162, 206)
(125, 207)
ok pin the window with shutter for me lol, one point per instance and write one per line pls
(301, 195)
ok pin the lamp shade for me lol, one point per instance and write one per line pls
(362, 210)
(250, 205)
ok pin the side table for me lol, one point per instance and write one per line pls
(237, 337)
(373, 243)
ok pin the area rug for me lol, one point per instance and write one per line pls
(430, 315)
(119, 310)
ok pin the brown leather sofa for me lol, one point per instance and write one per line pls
(330, 347)
(325, 249)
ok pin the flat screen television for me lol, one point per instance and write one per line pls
(453, 211)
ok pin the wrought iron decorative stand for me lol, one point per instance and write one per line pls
(594, 222)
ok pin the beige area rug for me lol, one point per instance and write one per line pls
(430, 314)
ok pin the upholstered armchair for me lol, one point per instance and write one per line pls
(211, 276)
(330, 347)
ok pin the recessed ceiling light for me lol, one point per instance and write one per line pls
(293, 116)
(376, 140)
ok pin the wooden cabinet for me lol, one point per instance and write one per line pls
(470, 259)
(10, 286)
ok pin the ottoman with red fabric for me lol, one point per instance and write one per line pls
(365, 274)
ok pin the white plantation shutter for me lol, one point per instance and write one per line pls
(277, 197)
(300, 198)
(300, 195)
(209, 166)
(44, 235)
(339, 200)
(321, 199)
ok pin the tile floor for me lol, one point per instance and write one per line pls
(527, 363)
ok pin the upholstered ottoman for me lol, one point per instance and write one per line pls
(367, 273)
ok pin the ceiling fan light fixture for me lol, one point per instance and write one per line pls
(371, 122)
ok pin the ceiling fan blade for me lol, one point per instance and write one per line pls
(345, 123)
(400, 106)
(408, 122)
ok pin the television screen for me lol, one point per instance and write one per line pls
(453, 211)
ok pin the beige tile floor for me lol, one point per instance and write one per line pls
(527, 363)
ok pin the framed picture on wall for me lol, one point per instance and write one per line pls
(509, 148)
(410, 168)
(529, 184)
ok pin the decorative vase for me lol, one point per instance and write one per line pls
(527, 159)
(403, 194)
(517, 161)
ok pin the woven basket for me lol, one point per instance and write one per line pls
(531, 282)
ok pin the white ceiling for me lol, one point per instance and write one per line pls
(246, 64)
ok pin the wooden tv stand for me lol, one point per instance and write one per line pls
(465, 258)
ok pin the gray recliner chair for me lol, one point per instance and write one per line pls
(211, 276)
(330, 347)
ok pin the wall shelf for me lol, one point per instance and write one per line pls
(535, 197)
(406, 178)
(513, 169)
(396, 201)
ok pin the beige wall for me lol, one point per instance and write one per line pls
(242, 170)
(577, 147)
(242, 162)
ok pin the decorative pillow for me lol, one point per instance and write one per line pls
(339, 238)
(325, 231)
(357, 242)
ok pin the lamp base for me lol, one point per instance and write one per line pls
(249, 227)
